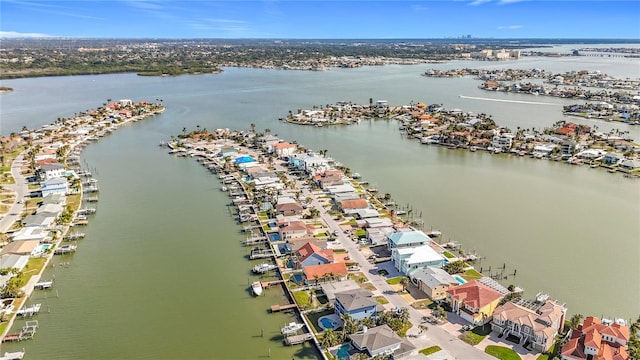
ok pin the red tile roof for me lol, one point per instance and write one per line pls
(354, 204)
(318, 271)
(474, 294)
(309, 249)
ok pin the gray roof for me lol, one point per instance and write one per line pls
(356, 299)
(433, 277)
(376, 338)
(53, 166)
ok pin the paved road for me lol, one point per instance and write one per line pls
(21, 189)
(456, 348)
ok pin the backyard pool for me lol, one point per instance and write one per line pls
(459, 279)
(274, 237)
(330, 322)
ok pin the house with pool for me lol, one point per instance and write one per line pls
(357, 303)
(310, 254)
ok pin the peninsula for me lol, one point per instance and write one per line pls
(354, 269)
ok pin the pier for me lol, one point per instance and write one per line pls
(267, 284)
(297, 339)
(87, 211)
(65, 249)
(27, 332)
(258, 253)
(254, 240)
(30, 311)
(42, 285)
(277, 308)
(73, 236)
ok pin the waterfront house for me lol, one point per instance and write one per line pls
(58, 199)
(310, 254)
(327, 178)
(367, 213)
(503, 141)
(434, 282)
(596, 339)
(288, 206)
(380, 341)
(630, 164)
(32, 233)
(47, 154)
(228, 151)
(54, 186)
(28, 248)
(50, 208)
(532, 323)
(473, 301)
(410, 238)
(293, 230)
(352, 206)
(310, 163)
(11, 261)
(612, 158)
(284, 149)
(53, 170)
(378, 235)
(333, 271)
(43, 220)
(409, 259)
(358, 304)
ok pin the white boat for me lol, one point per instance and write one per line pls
(356, 176)
(256, 287)
(291, 328)
(263, 268)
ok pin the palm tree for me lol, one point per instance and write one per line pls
(328, 338)
(575, 321)
(349, 325)
(404, 282)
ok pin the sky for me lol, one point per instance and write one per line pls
(331, 19)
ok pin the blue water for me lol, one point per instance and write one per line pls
(460, 280)
(297, 278)
(343, 352)
(327, 323)
(274, 237)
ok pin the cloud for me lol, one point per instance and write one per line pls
(510, 27)
(51, 8)
(15, 34)
(479, 2)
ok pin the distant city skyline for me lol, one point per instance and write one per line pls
(321, 19)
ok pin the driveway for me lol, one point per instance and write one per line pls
(20, 188)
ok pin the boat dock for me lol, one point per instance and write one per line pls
(87, 211)
(254, 240)
(30, 311)
(258, 253)
(73, 236)
(91, 199)
(42, 285)
(267, 284)
(65, 249)
(277, 308)
(297, 339)
(27, 332)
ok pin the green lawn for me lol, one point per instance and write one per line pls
(395, 280)
(382, 300)
(471, 338)
(430, 350)
(502, 353)
(421, 304)
(471, 275)
(448, 255)
(302, 299)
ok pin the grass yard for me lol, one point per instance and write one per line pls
(395, 280)
(430, 350)
(381, 299)
(502, 353)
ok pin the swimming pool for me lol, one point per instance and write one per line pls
(343, 352)
(328, 324)
(459, 279)
(274, 237)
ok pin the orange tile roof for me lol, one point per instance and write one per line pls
(309, 249)
(318, 271)
(475, 294)
(284, 145)
(354, 204)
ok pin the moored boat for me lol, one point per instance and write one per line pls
(291, 328)
(263, 268)
(256, 287)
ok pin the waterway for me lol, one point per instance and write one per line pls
(161, 273)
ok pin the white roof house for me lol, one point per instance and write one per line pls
(410, 259)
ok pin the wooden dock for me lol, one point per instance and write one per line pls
(65, 249)
(73, 236)
(267, 284)
(42, 285)
(261, 254)
(276, 308)
(297, 339)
